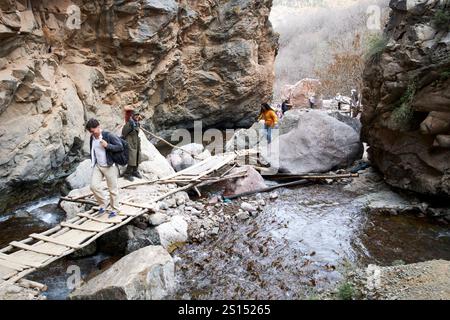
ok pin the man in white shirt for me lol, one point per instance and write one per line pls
(102, 144)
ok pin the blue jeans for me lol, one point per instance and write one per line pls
(268, 133)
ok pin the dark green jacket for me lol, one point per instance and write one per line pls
(130, 132)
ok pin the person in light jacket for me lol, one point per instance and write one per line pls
(102, 144)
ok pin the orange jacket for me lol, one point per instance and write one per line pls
(270, 118)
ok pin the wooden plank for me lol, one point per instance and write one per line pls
(87, 227)
(84, 229)
(6, 273)
(12, 265)
(14, 259)
(33, 248)
(75, 237)
(53, 240)
(130, 211)
(29, 257)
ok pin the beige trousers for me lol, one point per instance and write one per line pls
(111, 174)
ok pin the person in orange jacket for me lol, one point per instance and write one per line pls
(270, 120)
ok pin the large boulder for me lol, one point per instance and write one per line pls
(72, 208)
(355, 123)
(406, 116)
(250, 182)
(187, 156)
(146, 274)
(291, 118)
(153, 164)
(81, 177)
(320, 143)
(299, 93)
(290, 121)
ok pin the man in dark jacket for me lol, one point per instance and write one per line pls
(102, 144)
(285, 106)
(130, 132)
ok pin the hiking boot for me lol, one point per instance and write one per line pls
(137, 174)
(129, 177)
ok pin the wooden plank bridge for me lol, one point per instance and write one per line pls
(20, 258)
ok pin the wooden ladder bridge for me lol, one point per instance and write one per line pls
(21, 258)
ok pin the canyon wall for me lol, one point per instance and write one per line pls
(63, 62)
(406, 117)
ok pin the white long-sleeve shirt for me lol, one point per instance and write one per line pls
(98, 153)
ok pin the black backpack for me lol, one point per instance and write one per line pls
(120, 158)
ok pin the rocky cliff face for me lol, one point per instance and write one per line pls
(62, 62)
(406, 118)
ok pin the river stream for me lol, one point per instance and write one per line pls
(302, 244)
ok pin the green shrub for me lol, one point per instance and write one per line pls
(441, 20)
(403, 114)
(398, 263)
(346, 291)
(445, 75)
(376, 46)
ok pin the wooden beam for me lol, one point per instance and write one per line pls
(284, 185)
(78, 201)
(32, 285)
(33, 249)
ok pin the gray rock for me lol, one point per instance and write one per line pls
(146, 274)
(181, 160)
(250, 182)
(243, 215)
(214, 231)
(157, 218)
(355, 123)
(127, 239)
(141, 239)
(173, 232)
(163, 205)
(153, 165)
(81, 177)
(88, 251)
(168, 6)
(248, 207)
(22, 214)
(274, 195)
(320, 143)
(290, 121)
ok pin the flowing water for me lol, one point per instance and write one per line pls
(36, 217)
(303, 243)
